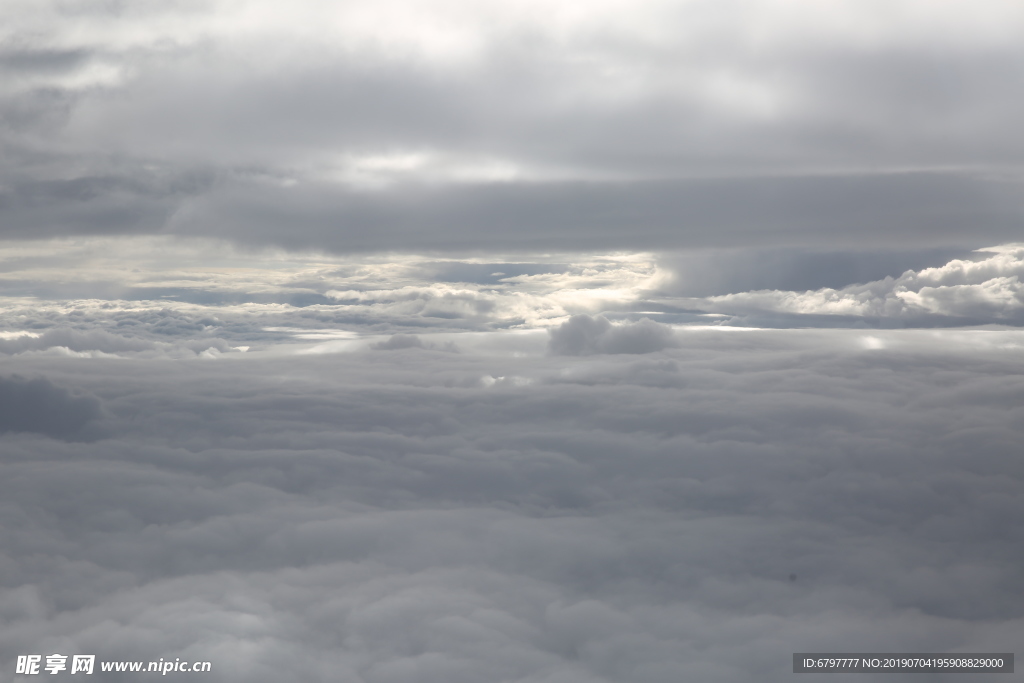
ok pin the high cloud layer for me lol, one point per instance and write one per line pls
(514, 125)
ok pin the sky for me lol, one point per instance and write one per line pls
(458, 342)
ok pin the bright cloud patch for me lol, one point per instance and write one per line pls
(82, 296)
(984, 290)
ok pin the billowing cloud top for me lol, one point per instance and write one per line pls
(408, 513)
(985, 289)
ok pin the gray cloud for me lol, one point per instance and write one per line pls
(627, 129)
(242, 240)
(833, 212)
(837, 212)
(710, 272)
(583, 334)
(399, 341)
(39, 406)
(75, 340)
(608, 517)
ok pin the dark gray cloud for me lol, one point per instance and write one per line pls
(845, 212)
(39, 406)
(710, 272)
(899, 211)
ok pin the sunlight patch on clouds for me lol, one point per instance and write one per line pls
(989, 287)
(385, 169)
(522, 300)
(132, 296)
(219, 80)
(872, 343)
(313, 334)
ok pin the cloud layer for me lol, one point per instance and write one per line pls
(135, 297)
(390, 468)
(697, 511)
(483, 125)
(462, 341)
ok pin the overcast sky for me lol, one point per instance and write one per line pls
(516, 125)
(512, 342)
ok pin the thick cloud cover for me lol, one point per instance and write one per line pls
(701, 511)
(470, 341)
(460, 124)
(395, 468)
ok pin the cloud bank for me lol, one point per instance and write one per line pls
(277, 462)
(985, 289)
(490, 125)
(701, 510)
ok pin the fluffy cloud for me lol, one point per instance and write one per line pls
(985, 289)
(134, 296)
(370, 516)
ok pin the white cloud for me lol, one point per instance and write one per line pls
(134, 296)
(988, 289)
(870, 342)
